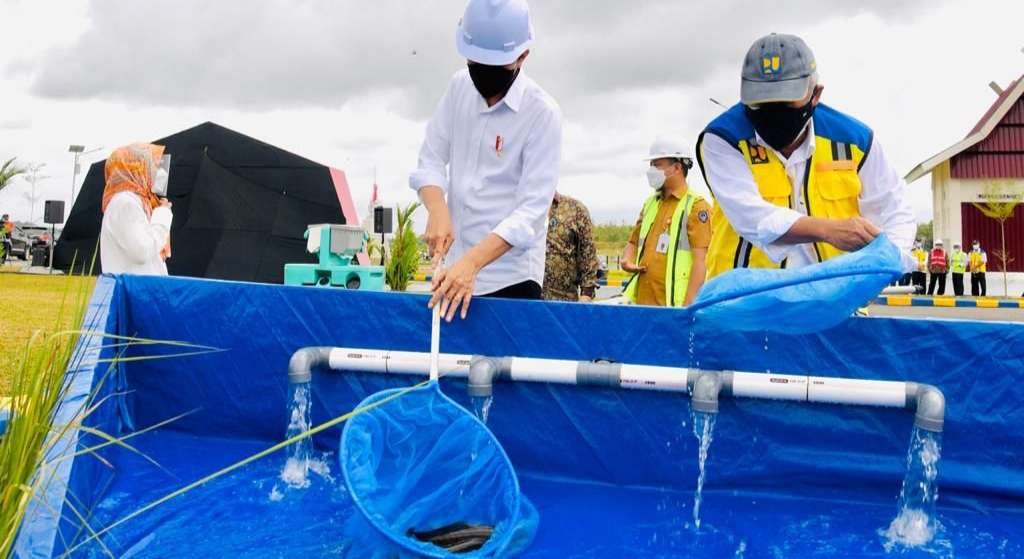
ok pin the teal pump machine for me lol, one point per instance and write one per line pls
(337, 246)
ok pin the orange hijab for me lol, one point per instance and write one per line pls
(133, 168)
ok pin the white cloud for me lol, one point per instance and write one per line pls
(338, 82)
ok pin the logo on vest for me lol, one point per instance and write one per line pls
(758, 153)
(702, 216)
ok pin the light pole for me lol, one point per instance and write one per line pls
(78, 150)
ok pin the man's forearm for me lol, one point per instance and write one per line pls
(629, 253)
(432, 197)
(487, 251)
(697, 273)
(805, 230)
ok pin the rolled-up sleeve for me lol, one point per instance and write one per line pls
(542, 155)
(883, 202)
(435, 153)
(756, 220)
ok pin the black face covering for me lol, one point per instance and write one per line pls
(779, 124)
(492, 80)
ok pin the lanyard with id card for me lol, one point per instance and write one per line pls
(662, 246)
(663, 239)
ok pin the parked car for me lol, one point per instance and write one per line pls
(43, 238)
(24, 236)
(21, 241)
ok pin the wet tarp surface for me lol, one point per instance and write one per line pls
(610, 472)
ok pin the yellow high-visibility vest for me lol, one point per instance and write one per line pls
(679, 261)
(958, 262)
(831, 185)
(977, 262)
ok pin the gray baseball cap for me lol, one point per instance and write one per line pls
(777, 68)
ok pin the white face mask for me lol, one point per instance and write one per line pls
(976, 248)
(656, 177)
(163, 173)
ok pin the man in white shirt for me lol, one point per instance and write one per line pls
(135, 232)
(489, 164)
(795, 181)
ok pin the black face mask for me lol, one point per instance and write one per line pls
(779, 124)
(492, 80)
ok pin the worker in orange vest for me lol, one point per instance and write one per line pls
(938, 265)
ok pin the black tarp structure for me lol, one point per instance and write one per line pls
(240, 206)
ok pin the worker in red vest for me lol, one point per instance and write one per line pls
(938, 265)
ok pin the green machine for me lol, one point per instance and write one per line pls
(337, 246)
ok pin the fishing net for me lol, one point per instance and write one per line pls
(430, 481)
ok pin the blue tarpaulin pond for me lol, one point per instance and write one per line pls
(610, 472)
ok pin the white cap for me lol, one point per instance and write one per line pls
(494, 32)
(666, 147)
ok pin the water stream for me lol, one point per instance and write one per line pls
(915, 524)
(482, 407)
(296, 468)
(703, 429)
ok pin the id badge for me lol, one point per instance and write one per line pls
(662, 247)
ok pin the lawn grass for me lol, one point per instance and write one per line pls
(29, 303)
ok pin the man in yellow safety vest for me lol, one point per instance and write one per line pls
(978, 261)
(919, 277)
(957, 266)
(795, 181)
(668, 245)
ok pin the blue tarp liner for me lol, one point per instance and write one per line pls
(421, 462)
(800, 301)
(610, 472)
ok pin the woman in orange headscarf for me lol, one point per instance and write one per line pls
(135, 234)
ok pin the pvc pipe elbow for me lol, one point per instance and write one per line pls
(483, 371)
(303, 361)
(930, 408)
(705, 390)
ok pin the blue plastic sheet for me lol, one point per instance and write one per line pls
(421, 462)
(800, 301)
(611, 472)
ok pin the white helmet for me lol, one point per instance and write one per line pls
(494, 32)
(669, 148)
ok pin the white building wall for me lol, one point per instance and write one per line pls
(948, 194)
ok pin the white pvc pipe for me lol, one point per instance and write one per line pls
(774, 386)
(560, 371)
(649, 377)
(884, 393)
(769, 385)
(398, 362)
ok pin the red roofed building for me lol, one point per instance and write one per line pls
(988, 164)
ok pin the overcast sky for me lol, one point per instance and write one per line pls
(350, 83)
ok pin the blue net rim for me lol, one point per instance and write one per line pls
(497, 540)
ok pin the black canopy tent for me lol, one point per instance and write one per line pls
(240, 206)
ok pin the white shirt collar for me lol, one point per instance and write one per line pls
(513, 99)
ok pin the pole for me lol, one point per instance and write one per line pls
(53, 229)
(382, 248)
(74, 179)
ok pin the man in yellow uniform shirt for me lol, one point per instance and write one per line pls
(666, 260)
